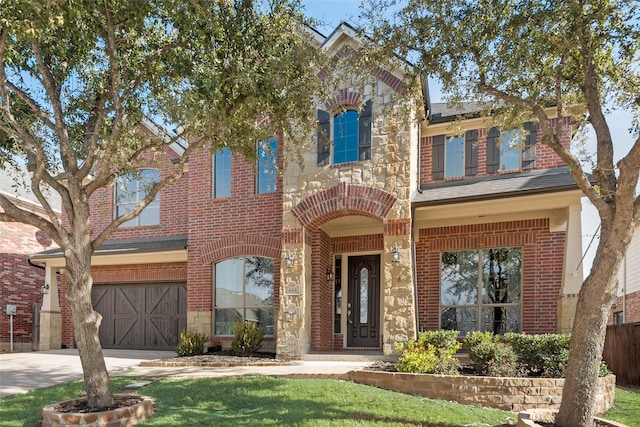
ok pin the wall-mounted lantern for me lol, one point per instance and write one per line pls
(288, 260)
(395, 254)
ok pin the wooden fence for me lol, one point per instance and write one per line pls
(622, 352)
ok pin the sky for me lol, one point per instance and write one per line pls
(332, 12)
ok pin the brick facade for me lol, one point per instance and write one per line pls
(20, 283)
(542, 265)
(546, 158)
(321, 215)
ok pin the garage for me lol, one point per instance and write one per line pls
(141, 316)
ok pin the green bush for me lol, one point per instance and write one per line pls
(431, 353)
(490, 356)
(540, 354)
(247, 337)
(191, 343)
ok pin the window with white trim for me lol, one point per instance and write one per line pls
(130, 190)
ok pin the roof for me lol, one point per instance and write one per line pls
(495, 186)
(443, 112)
(127, 246)
(16, 183)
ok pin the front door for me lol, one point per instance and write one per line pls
(363, 302)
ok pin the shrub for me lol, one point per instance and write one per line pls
(247, 337)
(191, 343)
(554, 365)
(489, 356)
(542, 354)
(431, 353)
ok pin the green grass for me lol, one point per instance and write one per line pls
(268, 401)
(626, 407)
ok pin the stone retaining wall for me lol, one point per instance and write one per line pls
(119, 417)
(510, 394)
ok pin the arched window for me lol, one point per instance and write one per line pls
(244, 291)
(351, 132)
(130, 190)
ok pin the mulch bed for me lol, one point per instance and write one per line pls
(80, 406)
(220, 358)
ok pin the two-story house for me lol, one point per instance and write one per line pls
(385, 225)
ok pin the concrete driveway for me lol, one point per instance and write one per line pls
(21, 372)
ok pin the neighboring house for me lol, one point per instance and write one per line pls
(626, 307)
(387, 227)
(21, 284)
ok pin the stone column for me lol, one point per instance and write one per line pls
(294, 316)
(399, 300)
(50, 317)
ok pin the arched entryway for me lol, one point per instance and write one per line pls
(345, 243)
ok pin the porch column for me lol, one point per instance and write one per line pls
(573, 271)
(399, 318)
(294, 315)
(50, 317)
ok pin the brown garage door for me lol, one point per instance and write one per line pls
(141, 316)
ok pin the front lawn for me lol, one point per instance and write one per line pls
(268, 401)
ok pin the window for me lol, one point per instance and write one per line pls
(222, 173)
(510, 150)
(351, 135)
(244, 291)
(130, 190)
(267, 171)
(455, 156)
(480, 290)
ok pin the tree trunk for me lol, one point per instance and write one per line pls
(577, 408)
(86, 323)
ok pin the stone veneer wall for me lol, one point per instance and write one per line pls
(379, 188)
(509, 394)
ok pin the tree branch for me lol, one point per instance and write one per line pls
(12, 213)
(44, 118)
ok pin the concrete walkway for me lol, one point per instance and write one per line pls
(21, 372)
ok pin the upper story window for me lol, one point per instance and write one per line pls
(511, 149)
(130, 190)
(267, 171)
(221, 173)
(350, 132)
(457, 156)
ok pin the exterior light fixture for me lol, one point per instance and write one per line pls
(45, 289)
(329, 274)
(288, 260)
(395, 254)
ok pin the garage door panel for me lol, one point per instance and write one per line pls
(144, 316)
(128, 300)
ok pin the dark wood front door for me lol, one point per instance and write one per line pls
(363, 302)
(142, 317)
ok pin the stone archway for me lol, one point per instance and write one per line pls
(315, 213)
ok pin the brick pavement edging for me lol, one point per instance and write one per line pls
(532, 417)
(119, 417)
(506, 393)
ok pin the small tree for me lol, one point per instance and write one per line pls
(77, 79)
(524, 59)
